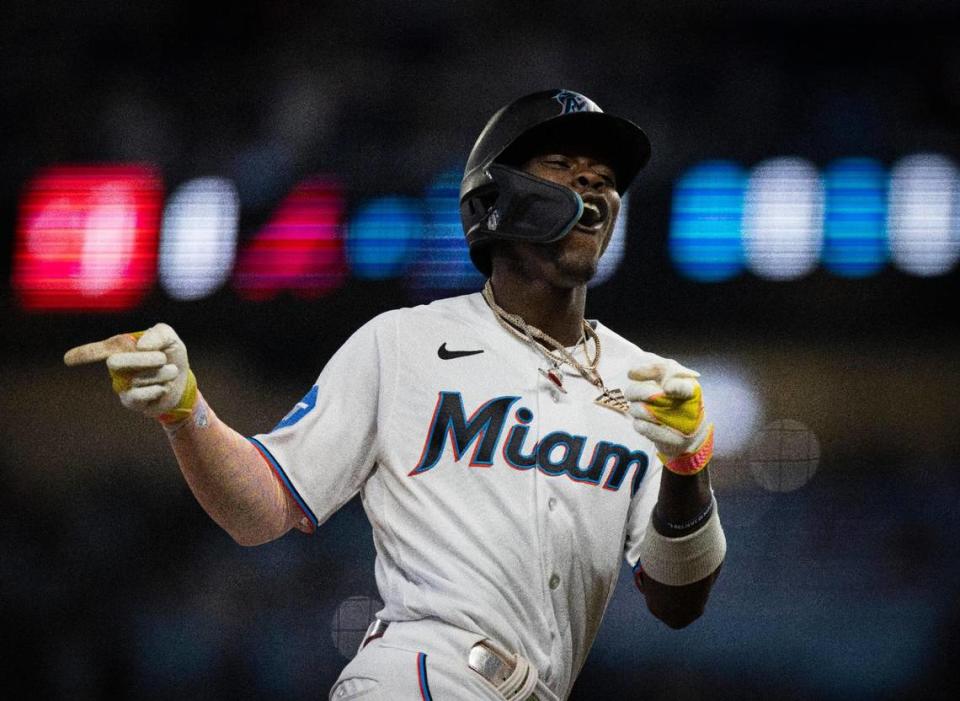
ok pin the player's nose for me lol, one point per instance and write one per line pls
(586, 178)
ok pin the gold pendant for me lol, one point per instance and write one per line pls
(613, 399)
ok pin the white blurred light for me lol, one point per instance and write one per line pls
(732, 404)
(613, 256)
(199, 237)
(783, 218)
(923, 220)
(108, 239)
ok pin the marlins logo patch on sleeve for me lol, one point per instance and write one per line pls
(303, 407)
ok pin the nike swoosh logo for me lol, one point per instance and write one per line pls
(445, 354)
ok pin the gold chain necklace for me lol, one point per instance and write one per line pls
(542, 343)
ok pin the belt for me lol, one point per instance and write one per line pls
(512, 675)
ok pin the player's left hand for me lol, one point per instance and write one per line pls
(666, 402)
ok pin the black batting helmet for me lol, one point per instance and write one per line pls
(500, 202)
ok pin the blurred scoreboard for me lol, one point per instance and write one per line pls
(99, 237)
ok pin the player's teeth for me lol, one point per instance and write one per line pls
(591, 215)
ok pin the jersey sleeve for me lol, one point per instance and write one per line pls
(638, 517)
(324, 449)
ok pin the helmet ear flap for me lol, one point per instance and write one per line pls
(477, 207)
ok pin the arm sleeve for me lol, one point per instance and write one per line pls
(324, 449)
(638, 517)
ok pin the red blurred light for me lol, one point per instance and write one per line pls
(87, 238)
(301, 249)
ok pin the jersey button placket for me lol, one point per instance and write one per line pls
(542, 487)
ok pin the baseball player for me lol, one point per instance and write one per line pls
(508, 452)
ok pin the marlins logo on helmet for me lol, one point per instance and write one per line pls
(571, 102)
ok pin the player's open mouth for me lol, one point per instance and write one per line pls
(594, 216)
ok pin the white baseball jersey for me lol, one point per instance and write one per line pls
(497, 505)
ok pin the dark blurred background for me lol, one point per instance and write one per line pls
(837, 440)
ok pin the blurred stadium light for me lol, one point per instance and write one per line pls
(783, 218)
(300, 250)
(924, 221)
(87, 238)
(198, 241)
(854, 233)
(442, 264)
(736, 406)
(705, 239)
(381, 235)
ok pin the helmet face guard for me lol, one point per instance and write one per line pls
(500, 202)
(518, 206)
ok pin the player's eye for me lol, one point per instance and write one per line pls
(557, 162)
(609, 178)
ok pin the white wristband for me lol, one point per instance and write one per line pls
(684, 560)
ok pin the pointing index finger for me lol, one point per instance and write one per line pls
(100, 350)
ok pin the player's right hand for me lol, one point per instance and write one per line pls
(149, 369)
(666, 402)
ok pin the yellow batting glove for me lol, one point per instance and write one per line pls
(666, 402)
(149, 371)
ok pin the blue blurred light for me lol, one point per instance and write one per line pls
(705, 239)
(854, 234)
(381, 234)
(442, 260)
